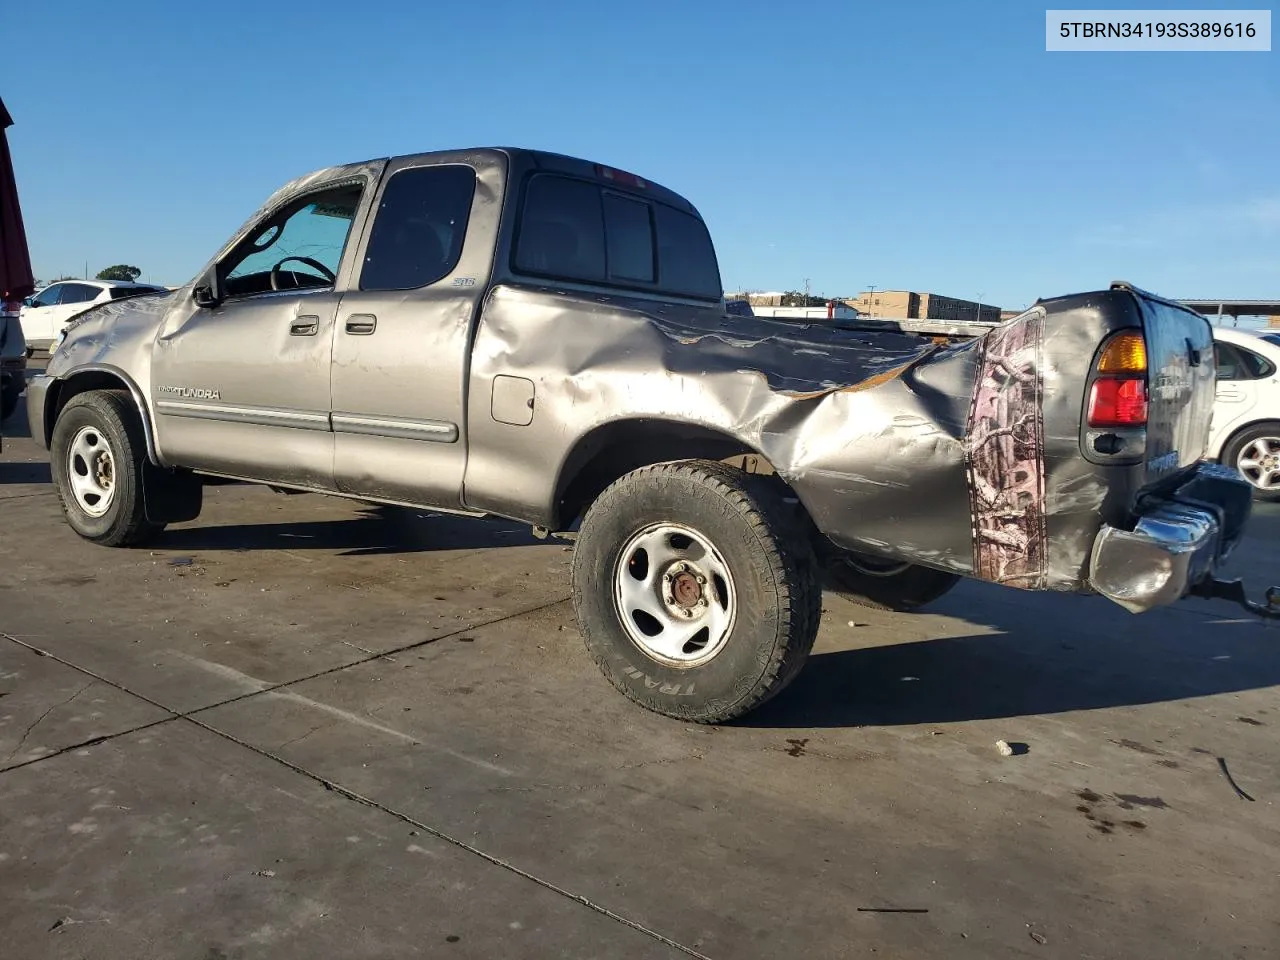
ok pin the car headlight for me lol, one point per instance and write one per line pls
(57, 342)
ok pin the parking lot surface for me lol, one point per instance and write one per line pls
(304, 727)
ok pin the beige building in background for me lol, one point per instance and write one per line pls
(910, 305)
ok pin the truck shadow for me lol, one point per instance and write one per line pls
(25, 473)
(1048, 654)
(375, 530)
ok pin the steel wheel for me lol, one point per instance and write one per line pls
(1259, 463)
(91, 470)
(674, 594)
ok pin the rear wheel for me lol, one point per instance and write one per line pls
(694, 590)
(97, 456)
(1255, 453)
(886, 584)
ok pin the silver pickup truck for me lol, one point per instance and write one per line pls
(520, 334)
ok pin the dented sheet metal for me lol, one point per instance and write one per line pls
(963, 457)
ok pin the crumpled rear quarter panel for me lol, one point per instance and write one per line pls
(963, 457)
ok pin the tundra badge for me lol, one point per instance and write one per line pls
(190, 393)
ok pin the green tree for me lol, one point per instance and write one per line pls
(795, 298)
(120, 271)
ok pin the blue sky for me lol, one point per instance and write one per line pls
(931, 146)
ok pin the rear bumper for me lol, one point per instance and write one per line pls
(1178, 540)
(37, 391)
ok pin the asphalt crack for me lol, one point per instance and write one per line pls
(40, 719)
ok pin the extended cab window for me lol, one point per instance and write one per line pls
(297, 248)
(581, 230)
(419, 227)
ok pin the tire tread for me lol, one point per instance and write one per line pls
(783, 546)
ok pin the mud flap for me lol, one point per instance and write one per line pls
(170, 496)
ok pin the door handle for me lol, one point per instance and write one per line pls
(304, 327)
(361, 324)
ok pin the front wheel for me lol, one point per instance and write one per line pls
(696, 594)
(886, 584)
(97, 456)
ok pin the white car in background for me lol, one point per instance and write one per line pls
(1246, 412)
(45, 314)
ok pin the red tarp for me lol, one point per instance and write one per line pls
(16, 279)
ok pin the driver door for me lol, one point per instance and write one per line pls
(240, 385)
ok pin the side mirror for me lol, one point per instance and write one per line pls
(206, 293)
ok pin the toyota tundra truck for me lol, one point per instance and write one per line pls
(511, 333)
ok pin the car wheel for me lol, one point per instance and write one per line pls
(695, 591)
(1255, 453)
(886, 584)
(97, 456)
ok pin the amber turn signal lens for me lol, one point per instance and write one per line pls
(1126, 353)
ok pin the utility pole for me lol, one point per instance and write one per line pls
(871, 310)
(977, 314)
(806, 291)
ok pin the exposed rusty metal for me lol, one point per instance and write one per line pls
(686, 589)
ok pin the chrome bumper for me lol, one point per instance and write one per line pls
(1177, 540)
(37, 390)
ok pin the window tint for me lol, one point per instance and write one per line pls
(79, 293)
(119, 293)
(419, 227)
(686, 256)
(562, 230)
(1237, 363)
(49, 295)
(315, 227)
(1256, 366)
(628, 236)
(575, 230)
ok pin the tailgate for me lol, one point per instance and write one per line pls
(1181, 385)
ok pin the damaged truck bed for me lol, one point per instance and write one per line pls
(512, 333)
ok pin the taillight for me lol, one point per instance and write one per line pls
(1114, 402)
(1118, 398)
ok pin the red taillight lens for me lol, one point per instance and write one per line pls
(1117, 402)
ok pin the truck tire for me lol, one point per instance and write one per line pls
(9, 401)
(97, 457)
(886, 584)
(1255, 453)
(696, 593)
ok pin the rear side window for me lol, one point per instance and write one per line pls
(562, 232)
(580, 230)
(1237, 363)
(419, 227)
(79, 293)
